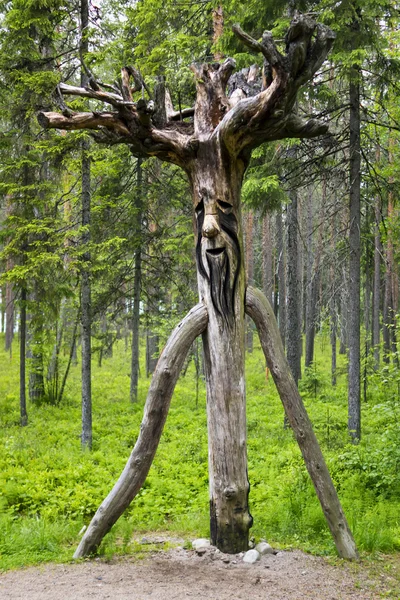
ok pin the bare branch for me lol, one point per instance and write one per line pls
(90, 120)
(108, 97)
(266, 47)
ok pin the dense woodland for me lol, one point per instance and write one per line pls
(97, 262)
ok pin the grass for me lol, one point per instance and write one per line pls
(49, 489)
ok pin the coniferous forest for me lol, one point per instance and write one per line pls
(98, 263)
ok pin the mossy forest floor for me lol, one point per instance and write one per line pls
(49, 489)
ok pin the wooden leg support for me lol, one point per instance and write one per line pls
(155, 413)
(259, 309)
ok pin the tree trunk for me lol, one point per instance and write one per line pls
(22, 362)
(281, 295)
(267, 259)
(152, 352)
(354, 406)
(261, 312)
(136, 288)
(216, 182)
(376, 302)
(155, 413)
(293, 323)
(35, 350)
(249, 244)
(86, 293)
(9, 316)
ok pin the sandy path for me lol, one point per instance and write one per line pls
(180, 574)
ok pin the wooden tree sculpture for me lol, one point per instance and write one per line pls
(214, 147)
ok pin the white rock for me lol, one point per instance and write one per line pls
(200, 543)
(251, 556)
(264, 548)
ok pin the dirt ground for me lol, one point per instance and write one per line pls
(179, 574)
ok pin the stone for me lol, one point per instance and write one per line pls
(200, 543)
(264, 548)
(251, 556)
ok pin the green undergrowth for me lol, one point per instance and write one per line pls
(49, 489)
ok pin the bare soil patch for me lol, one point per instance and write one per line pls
(180, 573)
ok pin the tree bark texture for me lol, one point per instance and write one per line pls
(155, 414)
(258, 307)
(354, 392)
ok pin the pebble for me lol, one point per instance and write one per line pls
(264, 548)
(200, 543)
(251, 556)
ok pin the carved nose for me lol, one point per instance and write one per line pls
(210, 226)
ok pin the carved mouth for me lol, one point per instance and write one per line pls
(215, 251)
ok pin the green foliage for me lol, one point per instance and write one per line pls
(49, 489)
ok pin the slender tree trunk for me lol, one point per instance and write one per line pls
(267, 259)
(333, 298)
(281, 295)
(293, 324)
(155, 414)
(9, 315)
(310, 317)
(86, 293)
(152, 352)
(354, 406)
(136, 288)
(249, 220)
(258, 308)
(35, 341)
(22, 362)
(377, 284)
(70, 360)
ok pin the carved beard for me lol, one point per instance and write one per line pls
(220, 266)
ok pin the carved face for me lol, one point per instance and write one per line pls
(218, 253)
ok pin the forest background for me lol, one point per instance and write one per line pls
(97, 265)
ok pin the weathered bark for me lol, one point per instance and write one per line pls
(155, 414)
(22, 359)
(258, 307)
(354, 392)
(221, 286)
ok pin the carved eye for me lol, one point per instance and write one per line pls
(224, 205)
(199, 208)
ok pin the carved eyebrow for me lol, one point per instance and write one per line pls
(224, 205)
